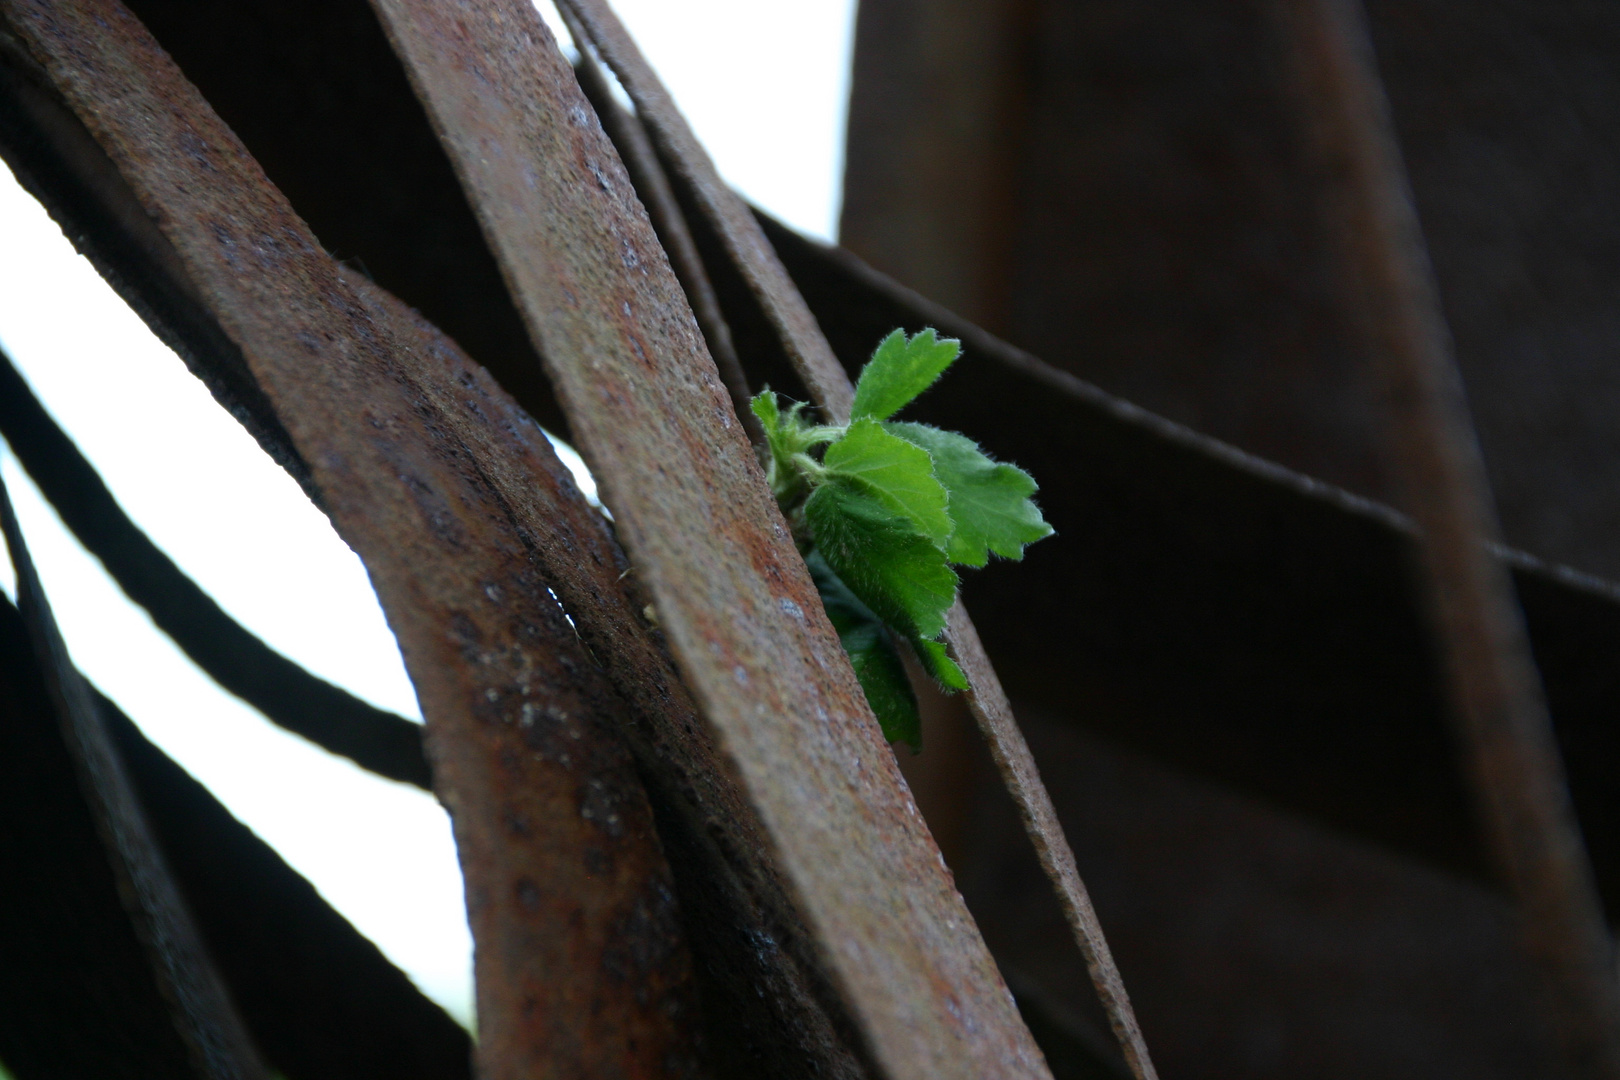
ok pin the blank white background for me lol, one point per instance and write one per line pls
(764, 85)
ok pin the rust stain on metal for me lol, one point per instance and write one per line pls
(830, 389)
(764, 1012)
(581, 965)
(641, 161)
(1496, 697)
(694, 512)
(736, 227)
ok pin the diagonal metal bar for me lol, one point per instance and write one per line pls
(581, 965)
(282, 690)
(641, 162)
(1496, 699)
(766, 1007)
(744, 244)
(321, 1000)
(206, 1038)
(690, 502)
(830, 388)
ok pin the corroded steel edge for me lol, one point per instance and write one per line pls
(581, 967)
(1500, 716)
(208, 1025)
(767, 1011)
(641, 162)
(780, 302)
(692, 507)
(830, 389)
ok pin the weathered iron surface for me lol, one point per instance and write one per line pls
(746, 251)
(317, 96)
(1509, 122)
(1016, 767)
(241, 663)
(749, 255)
(104, 967)
(1227, 615)
(1167, 232)
(319, 999)
(767, 1009)
(581, 966)
(1257, 944)
(57, 160)
(652, 187)
(1494, 691)
(694, 513)
(1162, 236)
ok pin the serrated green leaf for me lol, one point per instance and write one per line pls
(899, 370)
(895, 473)
(989, 500)
(871, 653)
(940, 667)
(769, 411)
(894, 569)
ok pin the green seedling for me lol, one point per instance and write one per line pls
(881, 509)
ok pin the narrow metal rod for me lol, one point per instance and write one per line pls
(830, 389)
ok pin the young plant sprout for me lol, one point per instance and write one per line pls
(881, 509)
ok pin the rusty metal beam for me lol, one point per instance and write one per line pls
(766, 1008)
(317, 96)
(1304, 680)
(581, 965)
(813, 361)
(690, 503)
(652, 186)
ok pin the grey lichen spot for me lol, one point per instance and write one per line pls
(791, 608)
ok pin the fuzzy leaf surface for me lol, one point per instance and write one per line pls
(883, 679)
(895, 473)
(894, 569)
(940, 667)
(871, 653)
(899, 370)
(768, 409)
(989, 500)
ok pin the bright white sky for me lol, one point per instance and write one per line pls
(192, 478)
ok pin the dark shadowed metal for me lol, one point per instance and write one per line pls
(1494, 689)
(581, 965)
(175, 1018)
(322, 1001)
